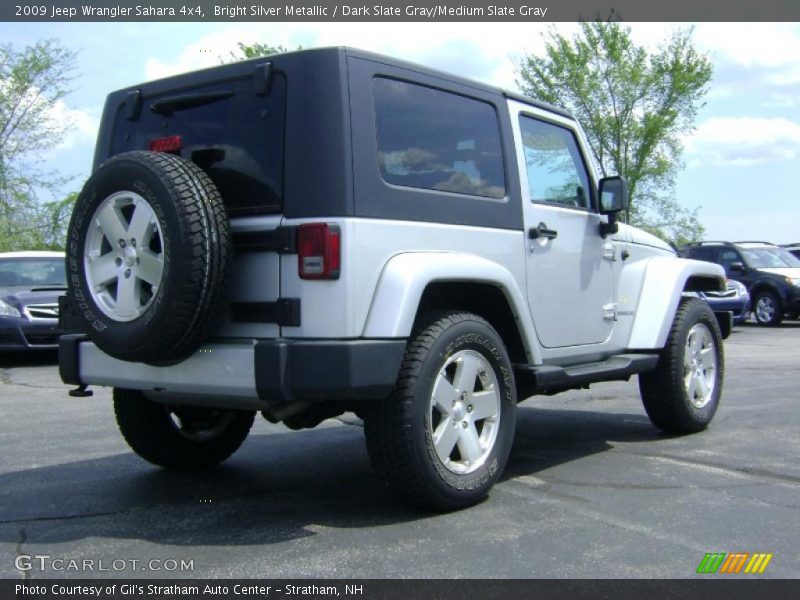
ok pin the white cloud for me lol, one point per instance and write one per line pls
(481, 51)
(743, 141)
(83, 124)
(765, 55)
(206, 52)
(752, 45)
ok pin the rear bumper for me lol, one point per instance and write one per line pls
(249, 373)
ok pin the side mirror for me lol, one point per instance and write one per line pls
(736, 267)
(613, 193)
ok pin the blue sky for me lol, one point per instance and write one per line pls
(742, 162)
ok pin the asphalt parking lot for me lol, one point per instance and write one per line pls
(591, 490)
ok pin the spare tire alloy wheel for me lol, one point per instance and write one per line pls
(148, 250)
(123, 257)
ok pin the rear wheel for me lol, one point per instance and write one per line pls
(179, 437)
(682, 393)
(443, 438)
(767, 309)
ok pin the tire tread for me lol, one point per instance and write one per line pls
(205, 246)
(389, 428)
(662, 397)
(145, 426)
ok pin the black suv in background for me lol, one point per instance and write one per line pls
(793, 249)
(771, 274)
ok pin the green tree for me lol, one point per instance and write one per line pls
(33, 83)
(634, 105)
(53, 221)
(31, 225)
(256, 50)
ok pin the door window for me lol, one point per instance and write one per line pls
(727, 257)
(556, 170)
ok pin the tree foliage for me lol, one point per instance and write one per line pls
(36, 225)
(634, 105)
(33, 83)
(257, 49)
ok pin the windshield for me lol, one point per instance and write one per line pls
(32, 272)
(770, 258)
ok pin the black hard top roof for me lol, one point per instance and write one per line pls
(245, 66)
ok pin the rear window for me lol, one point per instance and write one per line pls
(233, 134)
(437, 140)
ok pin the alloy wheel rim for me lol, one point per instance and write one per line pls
(465, 412)
(700, 366)
(124, 256)
(765, 309)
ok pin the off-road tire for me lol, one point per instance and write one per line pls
(664, 389)
(196, 254)
(150, 431)
(398, 429)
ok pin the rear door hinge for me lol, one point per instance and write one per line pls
(282, 240)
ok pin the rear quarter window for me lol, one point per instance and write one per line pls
(706, 253)
(437, 140)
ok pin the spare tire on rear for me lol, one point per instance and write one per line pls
(148, 249)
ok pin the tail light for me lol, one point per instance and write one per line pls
(171, 144)
(318, 251)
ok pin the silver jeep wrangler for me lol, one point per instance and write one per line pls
(329, 230)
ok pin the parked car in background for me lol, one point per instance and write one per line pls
(30, 284)
(735, 299)
(770, 273)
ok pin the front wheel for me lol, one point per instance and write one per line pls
(682, 393)
(767, 309)
(442, 439)
(179, 437)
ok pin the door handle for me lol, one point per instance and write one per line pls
(541, 231)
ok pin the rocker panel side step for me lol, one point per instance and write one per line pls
(547, 378)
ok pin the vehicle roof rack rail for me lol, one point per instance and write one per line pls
(703, 242)
(755, 242)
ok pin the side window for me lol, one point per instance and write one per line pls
(706, 253)
(436, 140)
(726, 257)
(556, 171)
